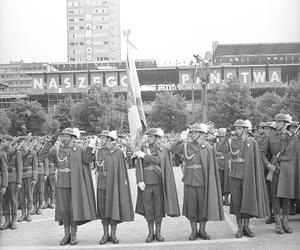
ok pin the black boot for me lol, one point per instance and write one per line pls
(150, 236)
(28, 215)
(194, 233)
(47, 204)
(6, 223)
(158, 231)
(247, 230)
(226, 201)
(286, 228)
(34, 210)
(66, 239)
(13, 224)
(23, 216)
(113, 233)
(73, 240)
(239, 232)
(105, 237)
(202, 233)
(278, 225)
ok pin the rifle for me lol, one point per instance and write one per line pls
(274, 160)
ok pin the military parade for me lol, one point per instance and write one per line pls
(256, 174)
(149, 124)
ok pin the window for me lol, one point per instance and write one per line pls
(72, 28)
(105, 42)
(81, 43)
(81, 27)
(81, 19)
(71, 19)
(72, 44)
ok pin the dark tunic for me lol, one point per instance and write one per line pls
(112, 185)
(162, 175)
(205, 176)
(246, 165)
(75, 192)
(289, 163)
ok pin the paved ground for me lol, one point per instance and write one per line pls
(43, 233)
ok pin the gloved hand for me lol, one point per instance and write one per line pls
(271, 168)
(18, 187)
(184, 134)
(139, 154)
(92, 142)
(142, 185)
(45, 178)
(3, 190)
(33, 182)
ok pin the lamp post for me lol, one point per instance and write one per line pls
(202, 71)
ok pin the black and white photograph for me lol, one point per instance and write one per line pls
(149, 124)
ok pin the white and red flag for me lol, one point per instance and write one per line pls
(136, 115)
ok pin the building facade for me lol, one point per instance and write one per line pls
(93, 30)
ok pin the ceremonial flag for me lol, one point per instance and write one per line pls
(136, 115)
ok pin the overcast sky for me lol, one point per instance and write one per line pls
(35, 30)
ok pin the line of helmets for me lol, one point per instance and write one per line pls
(200, 127)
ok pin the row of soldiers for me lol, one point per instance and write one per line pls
(246, 167)
(27, 179)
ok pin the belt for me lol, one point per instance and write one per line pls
(27, 168)
(11, 170)
(150, 168)
(194, 166)
(221, 158)
(64, 170)
(238, 160)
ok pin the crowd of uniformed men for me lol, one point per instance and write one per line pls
(254, 171)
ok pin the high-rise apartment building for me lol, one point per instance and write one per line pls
(93, 30)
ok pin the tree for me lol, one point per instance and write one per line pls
(291, 102)
(4, 122)
(169, 112)
(51, 126)
(26, 116)
(227, 104)
(63, 112)
(268, 105)
(99, 110)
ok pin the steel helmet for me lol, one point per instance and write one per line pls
(69, 131)
(156, 131)
(110, 134)
(240, 123)
(199, 128)
(283, 117)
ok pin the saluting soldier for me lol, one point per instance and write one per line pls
(202, 200)
(281, 157)
(29, 178)
(223, 166)
(114, 201)
(75, 200)
(247, 185)
(10, 198)
(3, 174)
(157, 194)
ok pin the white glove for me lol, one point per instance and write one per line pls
(139, 154)
(184, 134)
(92, 142)
(142, 185)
